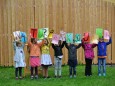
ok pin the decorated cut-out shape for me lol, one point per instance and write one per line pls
(69, 37)
(23, 37)
(55, 38)
(78, 38)
(106, 34)
(62, 35)
(99, 32)
(94, 39)
(40, 33)
(46, 32)
(34, 32)
(86, 37)
(51, 34)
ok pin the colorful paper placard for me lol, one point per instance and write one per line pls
(77, 38)
(99, 32)
(23, 37)
(94, 39)
(40, 33)
(106, 34)
(46, 32)
(86, 37)
(51, 34)
(34, 32)
(55, 38)
(16, 35)
(69, 37)
(62, 35)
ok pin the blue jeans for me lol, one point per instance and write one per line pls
(72, 70)
(101, 65)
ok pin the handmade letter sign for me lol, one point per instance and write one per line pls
(40, 34)
(33, 32)
(94, 39)
(86, 37)
(51, 34)
(99, 32)
(16, 35)
(55, 39)
(62, 35)
(23, 37)
(46, 32)
(78, 38)
(106, 34)
(69, 37)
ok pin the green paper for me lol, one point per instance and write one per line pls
(78, 38)
(69, 37)
(40, 33)
(99, 32)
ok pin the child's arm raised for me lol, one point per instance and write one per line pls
(62, 45)
(78, 46)
(41, 43)
(110, 41)
(66, 45)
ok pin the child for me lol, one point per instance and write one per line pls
(58, 54)
(45, 58)
(102, 49)
(19, 58)
(34, 56)
(72, 58)
(89, 55)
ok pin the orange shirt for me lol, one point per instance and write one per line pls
(35, 48)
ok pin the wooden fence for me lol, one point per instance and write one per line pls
(77, 16)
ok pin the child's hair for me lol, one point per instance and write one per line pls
(17, 43)
(33, 40)
(47, 41)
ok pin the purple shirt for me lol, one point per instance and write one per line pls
(88, 49)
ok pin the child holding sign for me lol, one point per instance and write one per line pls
(58, 54)
(34, 56)
(102, 49)
(89, 55)
(72, 58)
(19, 58)
(46, 58)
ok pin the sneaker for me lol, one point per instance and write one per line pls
(59, 76)
(55, 76)
(74, 76)
(32, 77)
(20, 77)
(99, 74)
(16, 78)
(36, 76)
(70, 76)
(104, 74)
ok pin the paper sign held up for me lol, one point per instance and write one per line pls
(86, 37)
(23, 37)
(40, 33)
(46, 32)
(99, 32)
(51, 34)
(78, 38)
(33, 32)
(17, 35)
(69, 37)
(94, 39)
(106, 34)
(55, 39)
(62, 35)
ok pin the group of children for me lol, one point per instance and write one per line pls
(40, 56)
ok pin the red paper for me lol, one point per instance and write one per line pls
(33, 32)
(86, 37)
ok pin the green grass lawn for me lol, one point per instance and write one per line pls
(7, 78)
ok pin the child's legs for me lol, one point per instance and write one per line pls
(16, 72)
(59, 66)
(70, 70)
(104, 65)
(32, 70)
(36, 70)
(56, 65)
(20, 71)
(99, 65)
(90, 66)
(74, 70)
(86, 66)
(46, 71)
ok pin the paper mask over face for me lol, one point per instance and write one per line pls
(69, 37)
(86, 37)
(34, 32)
(46, 32)
(40, 34)
(106, 34)
(62, 35)
(55, 39)
(99, 32)
(78, 38)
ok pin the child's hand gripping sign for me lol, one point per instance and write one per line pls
(69, 37)
(55, 39)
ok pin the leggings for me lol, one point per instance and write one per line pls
(20, 71)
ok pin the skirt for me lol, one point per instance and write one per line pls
(35, 61)
(72, 62)
(46, 60)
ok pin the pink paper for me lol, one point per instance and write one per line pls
(106, 34)
(55, 39)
